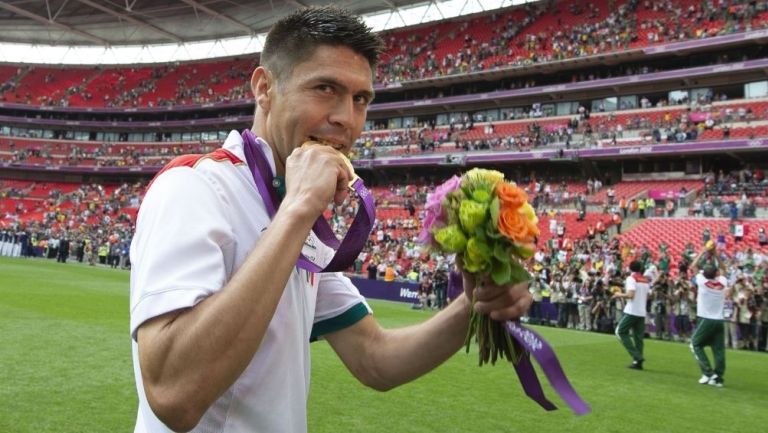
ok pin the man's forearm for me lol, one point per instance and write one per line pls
(405, 354)
(189, 359)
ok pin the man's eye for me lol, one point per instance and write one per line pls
(325, 88)
(362, 100)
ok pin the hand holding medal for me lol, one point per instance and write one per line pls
(354, 241)
(353, 176)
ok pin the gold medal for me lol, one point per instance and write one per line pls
(338, 149)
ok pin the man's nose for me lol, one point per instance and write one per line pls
(344, 114)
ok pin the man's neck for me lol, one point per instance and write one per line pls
(279, 164)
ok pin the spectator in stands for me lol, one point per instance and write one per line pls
(708, 208)
(624, 206)
(616, 219)
(319, 82)
(720, 241)
(650, 206)
(706, 235)
(669, 207)
(739, 230)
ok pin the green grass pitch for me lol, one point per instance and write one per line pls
(65, 366)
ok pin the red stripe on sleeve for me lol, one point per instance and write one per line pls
(192, 160)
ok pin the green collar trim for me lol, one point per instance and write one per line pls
(278, 183)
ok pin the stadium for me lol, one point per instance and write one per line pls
(638, 130)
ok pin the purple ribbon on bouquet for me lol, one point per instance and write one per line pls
(348, 249)
(535, 345)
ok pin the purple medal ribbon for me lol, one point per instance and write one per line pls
(348, 249)
(535, 345)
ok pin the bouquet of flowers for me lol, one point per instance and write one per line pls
(490, 225)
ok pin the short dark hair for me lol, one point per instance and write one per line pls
(636, 266)
(710, 272)
(294, 38)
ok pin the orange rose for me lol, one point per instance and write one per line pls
(510, 195)
(514, 226)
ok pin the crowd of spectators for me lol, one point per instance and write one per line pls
(734, 195)
(534, 33)
(578, 285)
(71, 153)
(581, 30)
(585, 129)
(573, 275)
(121, 89)
(683, 120)
(92, 224)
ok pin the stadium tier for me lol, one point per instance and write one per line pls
(743, 119)
(677, 233)
(67, 206)
(631, 190)
(536, 33)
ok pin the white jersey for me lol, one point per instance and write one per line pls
(711, 297)
(196, 226)
(639, 284)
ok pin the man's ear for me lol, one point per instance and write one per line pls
(262, 83)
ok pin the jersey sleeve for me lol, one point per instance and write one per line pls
(699, 279)
(630, 285)
(339, 305)
(182, 243)
(724, 282)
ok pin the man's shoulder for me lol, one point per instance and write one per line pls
(213, 161)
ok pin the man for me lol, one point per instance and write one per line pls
(660, 302)
(585, 297)
(682, 307)
(712, 291)
(616, 219)
(221, 317)
(636, 293)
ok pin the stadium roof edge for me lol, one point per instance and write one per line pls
(132, 52)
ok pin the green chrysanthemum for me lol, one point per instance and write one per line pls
(451, 238)
(478, 255)
(472, 214)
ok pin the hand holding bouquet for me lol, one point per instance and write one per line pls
(489, 224)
